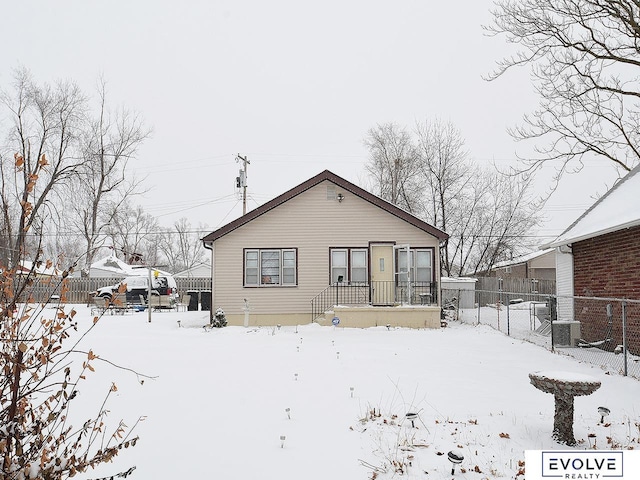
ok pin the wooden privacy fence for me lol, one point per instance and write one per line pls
(529, 288)
(79, 289)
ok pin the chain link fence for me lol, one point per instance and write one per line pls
(601, 331)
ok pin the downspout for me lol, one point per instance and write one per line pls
(209, 246)
(439, 278)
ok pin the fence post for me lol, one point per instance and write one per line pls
(551, 322)
(499, 302)
(624, 336)
(508, 319)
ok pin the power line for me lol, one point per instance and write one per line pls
(197, 205)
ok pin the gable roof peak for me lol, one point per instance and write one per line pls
(312, 182)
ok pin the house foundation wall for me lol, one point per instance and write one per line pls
(269, 319)
(351, 317)
(409, 317)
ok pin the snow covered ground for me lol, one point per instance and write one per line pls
(520, 322)
(324, 403)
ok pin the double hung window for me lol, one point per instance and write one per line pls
(349, 265)
(421, 269)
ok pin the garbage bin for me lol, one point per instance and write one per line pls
(193, 300)
(205, 300)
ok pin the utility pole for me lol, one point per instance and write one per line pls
(241, 181)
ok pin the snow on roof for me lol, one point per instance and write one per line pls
(41, 269)
(458, 279)
(617, 209)
(114, 264)
(523, 258)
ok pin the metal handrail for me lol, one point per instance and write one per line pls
(374, 293)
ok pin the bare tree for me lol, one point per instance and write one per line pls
(108, 144)
(485, 213)
(506, 213)
(181, 245)
(585, 61)
(133, 233)
(45, 366)
(44, 137)
(446, 174)
(393, 165)
(466, 224)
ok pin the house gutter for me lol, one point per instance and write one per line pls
(569, 241)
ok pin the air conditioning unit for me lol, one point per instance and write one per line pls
(566, 333)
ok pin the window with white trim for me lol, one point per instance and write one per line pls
(270, 267)
(339, 266)
(359, 266)
(349, 265)
(421, 270)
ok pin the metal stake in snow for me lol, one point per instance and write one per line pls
(455, 457)
(603, 411)
(282, 439)
(288, 410)
(412, 416)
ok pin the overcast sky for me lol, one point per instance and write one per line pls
(293, 85)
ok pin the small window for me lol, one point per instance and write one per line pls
(289, 265)
(423, 266)
(338, 266)
(251, 267)
(358, 266)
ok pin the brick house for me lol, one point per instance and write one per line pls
(599, 256)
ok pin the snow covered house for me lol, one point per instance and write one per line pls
(323, 250)
(599, 256)
(199, 270)
(40, 270)
(110, 266)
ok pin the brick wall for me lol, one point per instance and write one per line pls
(608, 266)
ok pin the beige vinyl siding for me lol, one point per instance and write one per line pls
(310, 223)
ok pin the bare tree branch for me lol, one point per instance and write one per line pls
(584, 57)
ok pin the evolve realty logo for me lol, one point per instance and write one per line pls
(596, 464)
(582, 464)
